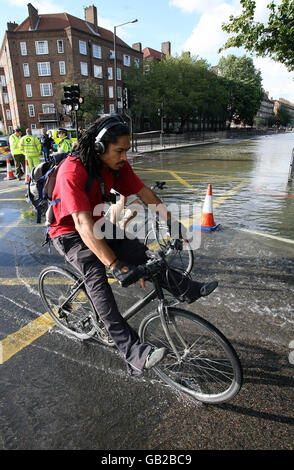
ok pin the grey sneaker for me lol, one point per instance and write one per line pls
(154, 357)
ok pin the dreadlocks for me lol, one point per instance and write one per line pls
(86, 146)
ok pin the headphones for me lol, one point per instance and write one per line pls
(107, 123)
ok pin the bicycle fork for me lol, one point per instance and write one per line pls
(165, 320)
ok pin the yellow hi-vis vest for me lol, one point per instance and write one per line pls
(30, 146)
(14, 143)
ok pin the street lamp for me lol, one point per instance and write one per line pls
(115, 60)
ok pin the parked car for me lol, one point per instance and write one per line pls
(4, 150)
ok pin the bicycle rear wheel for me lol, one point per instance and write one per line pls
(208, 368)
(66, 299)
(180, 259)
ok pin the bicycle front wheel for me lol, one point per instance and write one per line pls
(180, 259)
(201, 362)
(67, 302)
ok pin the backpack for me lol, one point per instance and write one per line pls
(41, 185)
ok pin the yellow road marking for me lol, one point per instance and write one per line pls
(182, 181)
(13, 199)
(25, 336)
(8, 281)
(7, 228)
(9, 190)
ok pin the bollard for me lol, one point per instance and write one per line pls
(291, 169)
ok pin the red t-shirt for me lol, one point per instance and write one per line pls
(70, 188)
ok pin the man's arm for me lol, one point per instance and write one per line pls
(148, 197)
(84, 224)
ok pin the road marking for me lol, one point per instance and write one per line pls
(13, 199)
(33, 281)
(7, 228)
(273, 237)
(9, 190)
(182, 181)
(15, 342)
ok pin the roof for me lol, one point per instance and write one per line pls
(61, 21)
(149, 53)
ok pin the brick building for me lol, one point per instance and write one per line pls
(266, 110)
(44, 51)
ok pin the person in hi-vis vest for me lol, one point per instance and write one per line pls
(31, 148)
(18, 157)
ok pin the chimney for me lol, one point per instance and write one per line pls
(11, 26)
(33, 15)
(166, 48)
(91, 15)
(137, 46)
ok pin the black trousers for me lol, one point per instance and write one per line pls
(94, 273)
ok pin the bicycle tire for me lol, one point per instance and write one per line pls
(74, 317)
(209, 371)
(181, 260)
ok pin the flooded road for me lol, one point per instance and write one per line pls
(60, 393)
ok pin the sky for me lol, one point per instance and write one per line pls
(190, 25)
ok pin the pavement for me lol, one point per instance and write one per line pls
(58, 393)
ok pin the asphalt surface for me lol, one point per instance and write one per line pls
(58, 393)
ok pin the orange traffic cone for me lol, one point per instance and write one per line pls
(10, 174)
(207, 221)
(27, 177)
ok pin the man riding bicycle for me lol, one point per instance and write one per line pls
(83, 181)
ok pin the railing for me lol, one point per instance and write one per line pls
(47, 117)
(154, 140)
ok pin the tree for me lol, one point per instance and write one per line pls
(283, 116)
(186, 88)
(244, 84)
(274, 39)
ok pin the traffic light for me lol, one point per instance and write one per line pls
(72, 98)
(126, 98)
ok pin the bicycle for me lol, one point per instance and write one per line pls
(156, 237)
(200, 362)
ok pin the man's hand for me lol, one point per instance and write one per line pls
(127, 274)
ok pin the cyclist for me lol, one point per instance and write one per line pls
(101, 157)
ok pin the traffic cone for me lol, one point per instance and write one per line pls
(207, 222)
(10, 174)
(27, 177)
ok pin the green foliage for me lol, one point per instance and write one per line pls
(284, 116)
(274, 39)
(244, 84)
(185, 87)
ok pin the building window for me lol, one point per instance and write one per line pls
(26, 70)
(127, 60)
(5, 98)
(110, 91)
(97, 52)
(62, 69)
(29, 91)
(10, 130)
(46, 89)
(136, 62)
(100, 91)
(84, 68)
(60, 48)
(3, 81)
(111, 54)
(119, 92)
(110, 73)
(41, 47)
(118, 74)
(111, 108)
(83, 47)
(44, 69)
(98, 71)
(31, 110)
(48, 108)
(23, 48)
(8, 114)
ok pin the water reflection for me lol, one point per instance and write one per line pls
(265, 201)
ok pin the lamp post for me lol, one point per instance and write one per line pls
(115, 60)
